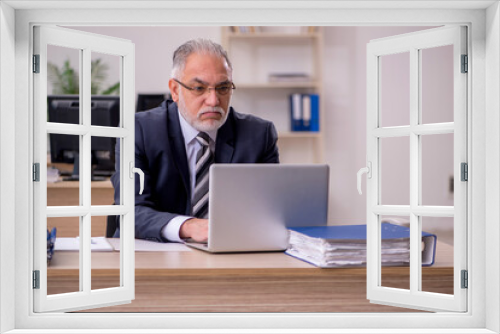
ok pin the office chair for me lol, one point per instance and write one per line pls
(148, 101)
(111, 225)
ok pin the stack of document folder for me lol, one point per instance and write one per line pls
(341, 246)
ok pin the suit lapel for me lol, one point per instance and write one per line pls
(224, 147)
(177, 145)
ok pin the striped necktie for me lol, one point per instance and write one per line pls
(204, 159)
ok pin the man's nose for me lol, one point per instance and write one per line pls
(212, 99)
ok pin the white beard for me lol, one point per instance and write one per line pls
(196, 122)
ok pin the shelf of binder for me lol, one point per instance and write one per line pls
(304, 112)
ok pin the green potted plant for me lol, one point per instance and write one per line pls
(65, 80)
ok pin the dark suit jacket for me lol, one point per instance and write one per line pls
(160, 153)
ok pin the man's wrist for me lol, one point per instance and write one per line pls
(171, 231)
(185, 229)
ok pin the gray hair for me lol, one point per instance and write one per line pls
(200, 46)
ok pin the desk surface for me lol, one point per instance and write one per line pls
(196, 281)
(199, 260)
(76, 184)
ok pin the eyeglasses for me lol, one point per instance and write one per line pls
(199, 90)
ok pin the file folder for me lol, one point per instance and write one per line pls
(345, 245)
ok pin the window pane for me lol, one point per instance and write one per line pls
(395, 90)
(395, 264)
(63, 172)
(439, 276)
(105, 262)
(65, 256)
(102, 192)
(63, 84)
(103, 166)
(437, 169)
(395, 170)
(105, 89)
(437, 84)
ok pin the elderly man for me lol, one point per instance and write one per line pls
(176, 143)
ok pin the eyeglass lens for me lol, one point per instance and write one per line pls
(220, 90)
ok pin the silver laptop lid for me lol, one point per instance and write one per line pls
(251, 205)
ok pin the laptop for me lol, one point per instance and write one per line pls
(252, 205)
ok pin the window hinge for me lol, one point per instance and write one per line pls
(465, 279)
(36, 172)
(36, 279)
(465, 171)
(465, 64)
(36, 63)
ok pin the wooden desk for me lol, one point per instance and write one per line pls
(256, 282)
(67, 193)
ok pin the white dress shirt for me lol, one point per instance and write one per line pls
(171, 230)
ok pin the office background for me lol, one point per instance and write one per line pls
(344, 102)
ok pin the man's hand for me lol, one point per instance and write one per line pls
(196, 229)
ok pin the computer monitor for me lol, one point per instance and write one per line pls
(65, 149)
(148, 101)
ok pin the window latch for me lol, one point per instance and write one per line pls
(368, 171)
(133, 170)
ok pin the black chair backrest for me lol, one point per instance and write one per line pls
(111, 225)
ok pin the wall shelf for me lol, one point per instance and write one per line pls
(257, 54)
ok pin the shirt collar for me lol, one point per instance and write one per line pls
(190, 133)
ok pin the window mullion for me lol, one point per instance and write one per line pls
(80, 130)
(434, 129)
(373, 273)
(128, 198)
(421, 210)
(460, 155)
(85, 167)
(40, 155)
(66, 129)
(395, 210)
(110, 132)
(66, 211)
(415, 172)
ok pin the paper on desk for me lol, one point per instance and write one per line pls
(99, 244)
(152, 246)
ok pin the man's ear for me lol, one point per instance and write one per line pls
(174, 89)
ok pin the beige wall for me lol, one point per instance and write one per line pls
(345, 111)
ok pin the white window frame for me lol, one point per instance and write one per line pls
(484, 146)
(413, 44)
(85, 44)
